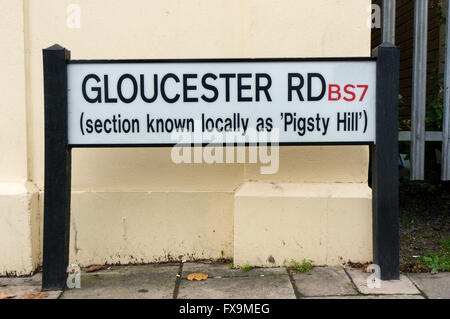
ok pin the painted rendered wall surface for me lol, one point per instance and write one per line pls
(135, 204)
(13, 121)
(19, 213)
(166, 29)
(275, 223)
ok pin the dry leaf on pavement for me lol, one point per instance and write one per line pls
(6, 296)
(95, 268)
(197, 276)
(38, 295)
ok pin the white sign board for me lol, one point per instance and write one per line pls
(152, 102)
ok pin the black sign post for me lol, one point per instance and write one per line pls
(58, 167)
(57, 170)
(385, 164)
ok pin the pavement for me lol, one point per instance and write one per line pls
(161, 281)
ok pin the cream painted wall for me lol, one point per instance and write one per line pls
(164, 29)
(13, 118)
(277, 222)
(19, 214)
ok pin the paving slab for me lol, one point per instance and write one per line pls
(324, 281)
(34, 280)
(220, 270)
(141, 282)
(404, 286)
(21, 286)
(434, 286)
(21, 291)
(251, 287)
(130, 269)
(370, 297)
(158, 281)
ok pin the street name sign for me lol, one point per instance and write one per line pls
(301, 100)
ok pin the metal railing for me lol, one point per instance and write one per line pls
(418, 136)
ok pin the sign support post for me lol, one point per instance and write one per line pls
(57, 170)
(385, 164)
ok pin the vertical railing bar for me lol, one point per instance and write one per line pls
(388, 29)
(419, 90)
(445, 170)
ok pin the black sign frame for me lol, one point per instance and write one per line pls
(57, 188)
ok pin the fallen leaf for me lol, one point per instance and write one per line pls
(358, 265)
(38, 295)
(95, 268)
(6, 296)
(197, 276)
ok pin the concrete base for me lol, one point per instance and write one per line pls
(20, 247)
(404, 286)
(328, 223)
